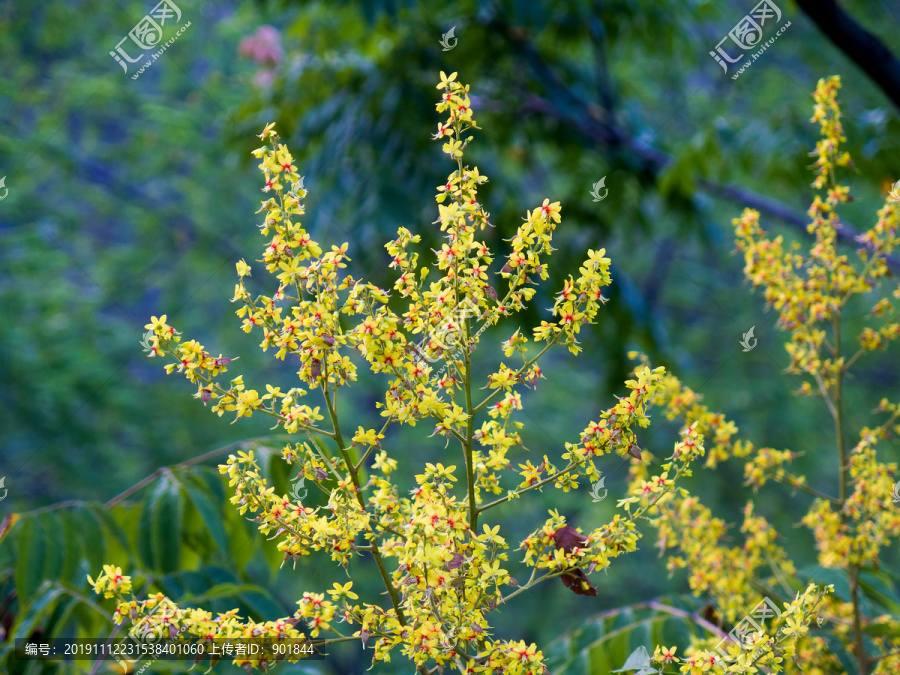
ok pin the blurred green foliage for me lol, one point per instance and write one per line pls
(136, 197)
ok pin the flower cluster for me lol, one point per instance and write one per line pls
(444, 569)
(857, 533)
(810, 291)
(770, 648)
(111, 582)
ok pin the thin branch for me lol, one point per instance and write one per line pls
(878, 657)
(190, 462)
(815, 493)
(354, 476)
(534, 486)
(693, 616)
(593, 122)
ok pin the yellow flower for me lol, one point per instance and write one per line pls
(340, 592)
(445, 81)
(268, 131)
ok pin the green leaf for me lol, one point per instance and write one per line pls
(212, 517)
(278, 474)
(90, 532)
(54, 551)
(72, 543)
(36, 611)
(879, 589)
(217, 575)
(638, 660)
(243, 540)
(824, 575)
(31, 547)
(607, 642)
(145, 544)
(64, 610)
(114, 529)
(228, 590)
(211, 480)
(262, 604)
(166, 519)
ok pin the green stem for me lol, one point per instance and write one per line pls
(521, 370)
(839, 415)
(529, 585)
(354, 476)
(467, 441)
(862, 659)
(373, 446)
(808, 490)
(81, 598)
(539, 484)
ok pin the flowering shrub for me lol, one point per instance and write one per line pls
(809, 291)
(441, 561)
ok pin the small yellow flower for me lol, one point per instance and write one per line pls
(268, 131)
(339, 592)
(445, 81)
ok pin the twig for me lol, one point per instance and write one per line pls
(190, 462)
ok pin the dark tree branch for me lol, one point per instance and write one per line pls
(863, 48)
(656, 161)
(595, 123)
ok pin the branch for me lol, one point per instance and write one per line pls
(693, 616)
(190, 462)
(657, 161)
(534, 486)
(858, 44)
(354, 476)
(796, 219)
(597, 124)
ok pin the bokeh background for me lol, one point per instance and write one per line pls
(135, 197)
